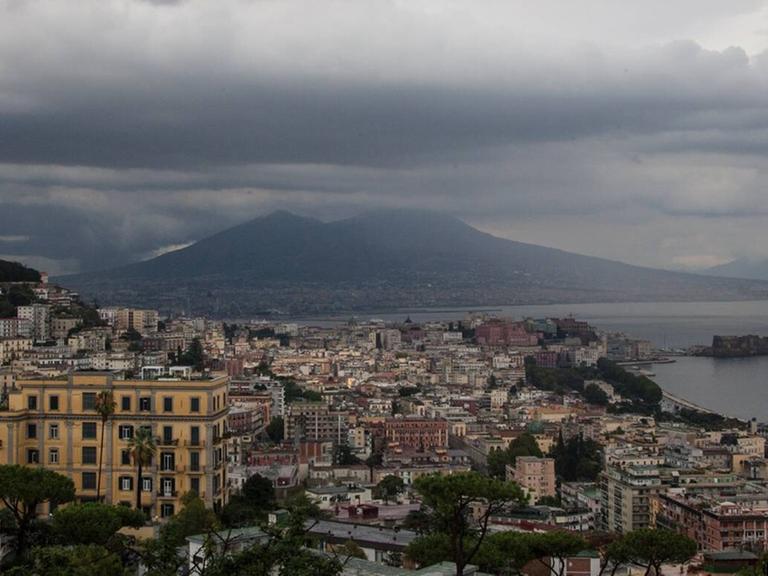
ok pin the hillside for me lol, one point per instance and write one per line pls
(382, 260)
(742, 268)
(16, 272)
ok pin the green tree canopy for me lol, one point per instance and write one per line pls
(23, 489)
(251, 504)
(276, 429)
(80, 560)
(389, 487)
(595, 395)
(651, 548)
(451, 498)
(193, 518)
(92, 523)
(523, 445)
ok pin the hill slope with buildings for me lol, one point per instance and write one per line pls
(382, 260)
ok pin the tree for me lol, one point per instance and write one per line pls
(92, 523)
(523, 445)
(452, 498)
(23, 489)
(577, 459)
(389, 487)
(342, 456)
(132, 335)
(194, 356)
(504, 553)
(105, 408)
(251, 504)
(80, 560)
(281, 553)
(276, 429)
(651, 548)
(553, 549)
(142, 448)
(430, 549)
(259, 491)
(193, 518)
(595, 395)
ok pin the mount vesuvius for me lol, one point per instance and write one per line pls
(382, 260)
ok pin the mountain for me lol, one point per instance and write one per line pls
(742, 268)
(16, 272)
(382, 260)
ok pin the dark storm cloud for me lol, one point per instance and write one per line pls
(132, 127)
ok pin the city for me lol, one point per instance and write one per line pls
(383, 288)
(148, 413)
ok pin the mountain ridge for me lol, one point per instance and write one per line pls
(386, 259)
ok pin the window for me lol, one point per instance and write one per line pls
(146, 484)
(167, 434)
(167, 461)
(89, 480)
(53, 431)
(169, 486)
(126, 483)
(194, 433)
(166, 510)
(194, 485)
(53, 403)
(145, 404)
(32, 402)
(89, 430)
(194, 405)
(33, 456)
(194, 461)
(125, 431)
(89, 401)
(125, 457)
(125, 403)
(31, 430)
(168, 404)
(89, 454)
(53, 456)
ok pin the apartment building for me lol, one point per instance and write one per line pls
(416, 433)
(315, 421)
(143, 321)
(536, 476)
(38, 317)
(625, 494)
(53, 423)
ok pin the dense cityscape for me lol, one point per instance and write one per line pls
(383, 288)
(187, 445)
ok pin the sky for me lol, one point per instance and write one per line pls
(636, 131)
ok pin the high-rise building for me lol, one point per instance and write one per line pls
(315, 421)
(54, 424)
(143, 321)
(38, 317)
(626, 492)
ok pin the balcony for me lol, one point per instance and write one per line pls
(190, 444)
(167, 493)
(168, 442)
(167, 468)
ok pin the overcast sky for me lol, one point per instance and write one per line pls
(632, 130)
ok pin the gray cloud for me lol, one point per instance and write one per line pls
(129, 127)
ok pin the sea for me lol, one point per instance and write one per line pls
(735, 387)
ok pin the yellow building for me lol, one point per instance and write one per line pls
(53, 423)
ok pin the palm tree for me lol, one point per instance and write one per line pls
(105, 408)
(142, 447)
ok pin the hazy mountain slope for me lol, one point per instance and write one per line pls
(757, 269)
(383, 259)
